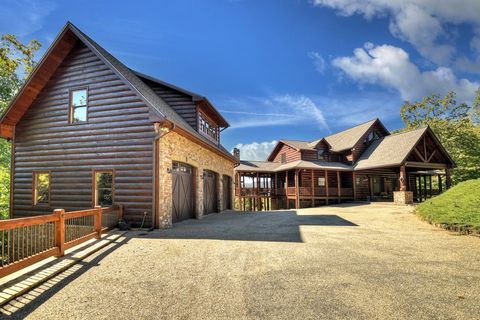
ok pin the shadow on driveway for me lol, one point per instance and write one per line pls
(281, 226)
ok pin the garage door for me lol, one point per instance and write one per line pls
(182, 176)
(227, 192)
(209, 192)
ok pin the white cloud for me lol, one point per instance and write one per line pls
(274, 110)
(23, 17)
(256, 150)
(420, 22)
(318, 61)
(391, 67)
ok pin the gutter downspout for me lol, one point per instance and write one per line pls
(161, 130)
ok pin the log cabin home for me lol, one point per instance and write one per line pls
(86, 130)
(365, 162)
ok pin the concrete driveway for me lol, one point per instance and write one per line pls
(352, 261)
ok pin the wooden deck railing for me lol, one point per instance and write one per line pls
(25, 241)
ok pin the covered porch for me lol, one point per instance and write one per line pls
(294, 188)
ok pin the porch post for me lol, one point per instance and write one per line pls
(339, 187)
(430, 184)
(425, 186)
(440, 187)
(258, 193)
(286, 190)
(448, 178)
(313, 189)
(354, 182)
(326, 185)
(274, 194)
(403, 178)
(297, 191)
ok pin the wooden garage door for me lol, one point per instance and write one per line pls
(227, 192)
(209, 192)
(182, 176)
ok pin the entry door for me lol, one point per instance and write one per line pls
(209, 192)
(182, 176)
(227, 192)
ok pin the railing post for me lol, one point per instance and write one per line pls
(98, 222)
(60, 231)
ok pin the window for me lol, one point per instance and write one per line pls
(321, 182)
(41, 188)
(207, 128)
(322, 154)
(78, 105)
(283, 158)
(372, 136)
(103, 188)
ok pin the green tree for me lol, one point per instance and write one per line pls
(16, 63)
(454, 124)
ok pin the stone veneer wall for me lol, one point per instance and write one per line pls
(174, 147)
(403, 197)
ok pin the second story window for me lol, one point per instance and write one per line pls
(78, 105)
(208, 128)
(283, 157)
(322, 154)
(372, 136)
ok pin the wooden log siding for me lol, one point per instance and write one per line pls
(179, 101)
(292, 154)
(118, 136)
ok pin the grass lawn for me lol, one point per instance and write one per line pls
(458, 207)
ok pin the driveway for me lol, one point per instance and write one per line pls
(373, 261)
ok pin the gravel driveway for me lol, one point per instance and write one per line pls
(352, 261)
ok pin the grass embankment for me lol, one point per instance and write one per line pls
(456, 209)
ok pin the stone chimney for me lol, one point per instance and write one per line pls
(236, 153)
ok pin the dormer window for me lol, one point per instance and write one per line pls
(78, 105)
(322, 154)
(208, 128)
(372, 136)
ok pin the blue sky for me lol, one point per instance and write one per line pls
(294, 69)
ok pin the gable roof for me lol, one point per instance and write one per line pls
(59, 49)
(347, 139)
(340, 141)
(391, 150)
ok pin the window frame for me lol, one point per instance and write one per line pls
(324, 184)
(94, 185)
(322, 154)
(211, 124)
(35, 191)
(71, 108)
(283, 157)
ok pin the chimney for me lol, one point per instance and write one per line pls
(236, 153)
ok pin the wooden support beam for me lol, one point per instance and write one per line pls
(258, 193)
(425, 187)
(313, 188)
(326, 186)
(339, 189)
(297, 191)
(440, 187)
(286, 190)
(403, 179)
(354, 185)
(448, 178)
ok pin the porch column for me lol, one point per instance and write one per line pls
(274, 194)
(339, 187)
(403, 179)
(448, 178)
(297, 191)
(313, 189)
(326, 185)
(258, 192)
(440, 187)
(286, 190)
(354, 182)
(425, 186)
